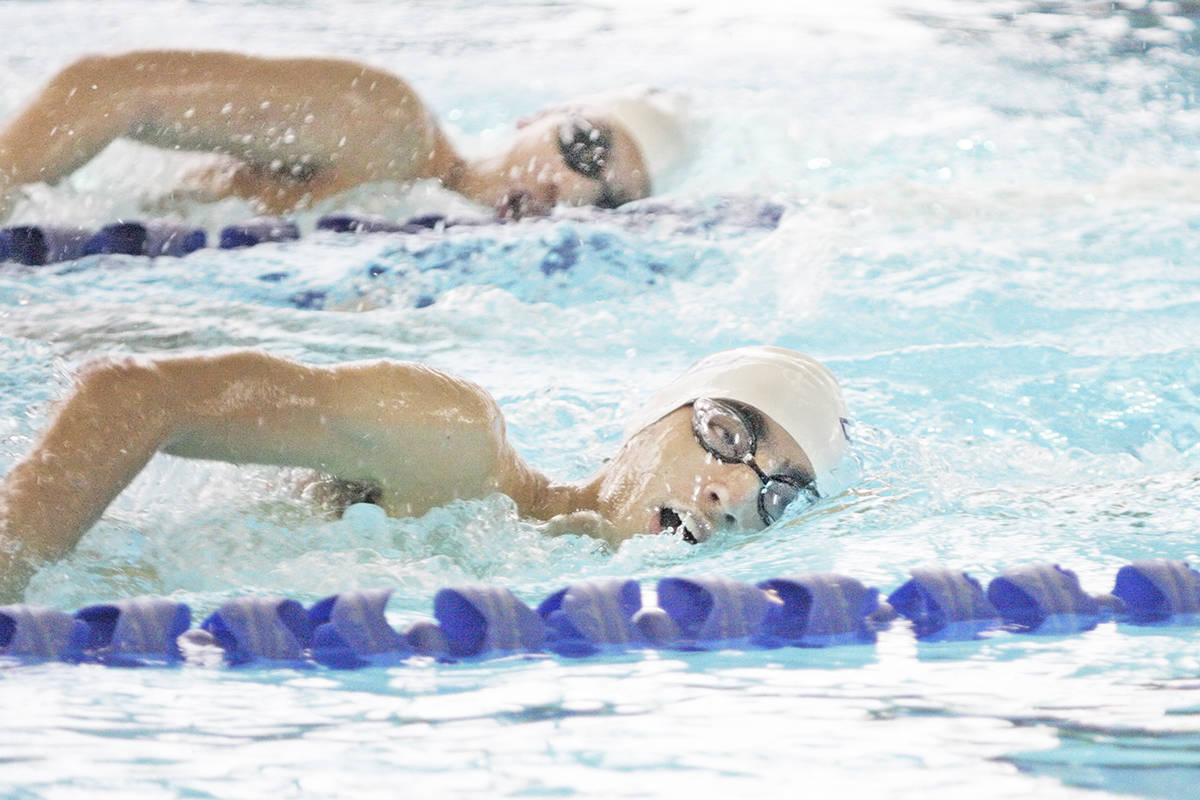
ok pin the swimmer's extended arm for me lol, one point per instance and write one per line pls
(423, 437)
(300, 128)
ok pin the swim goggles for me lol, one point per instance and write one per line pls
(727, 433)
(585, 148)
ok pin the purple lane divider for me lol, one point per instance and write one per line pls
(38, 632)
(589, 615)
(134, 630)
(818, 610)
(38, 245)
(350, 625)
(1158, 589)
(260, 627)
(1043, 598)
(478, 618)
(257, 231)
(711, 608)
(944, 604)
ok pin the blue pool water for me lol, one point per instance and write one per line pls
(989, 232)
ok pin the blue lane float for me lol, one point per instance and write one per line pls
(944, 604)
(478, 619)
(1045, 598)
(603, 615)
(36, 632)
(369, 223)
(259, 230)
(152, 239)
(1157, 590)
(41, 245)
(588, 616)
(37, 245)
(127, 632)
(354, 624)
(819, 610)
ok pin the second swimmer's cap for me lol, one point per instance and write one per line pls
(795, 390)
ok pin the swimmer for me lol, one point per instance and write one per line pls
(726, 446)
(293, 131)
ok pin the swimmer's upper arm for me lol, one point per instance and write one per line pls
(391, 423)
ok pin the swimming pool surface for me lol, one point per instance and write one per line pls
(989, 231)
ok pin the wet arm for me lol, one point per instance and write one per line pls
(66, 124)
(366, 422)
(298, 127)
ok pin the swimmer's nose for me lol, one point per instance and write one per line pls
(725, 501)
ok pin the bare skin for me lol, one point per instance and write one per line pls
(420, 437)
(293, 131)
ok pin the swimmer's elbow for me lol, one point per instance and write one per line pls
(87, 62)
(123, 394)
(82, 69)
(101, 368)
(124, 378)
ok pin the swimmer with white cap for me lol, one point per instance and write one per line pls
(728, 446)
(292, 131)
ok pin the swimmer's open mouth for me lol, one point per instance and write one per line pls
(670, 520)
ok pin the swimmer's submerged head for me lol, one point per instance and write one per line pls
(728, 445)
(601, 151)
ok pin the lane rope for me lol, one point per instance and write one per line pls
(600, 615)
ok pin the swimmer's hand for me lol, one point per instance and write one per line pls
(583, 523)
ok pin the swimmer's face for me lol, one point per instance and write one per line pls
(569, 158)
(664, 481)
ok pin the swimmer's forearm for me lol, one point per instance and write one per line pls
(97, 441)
(118, 416)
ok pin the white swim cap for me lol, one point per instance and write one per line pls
(795, 390)
(652, 117)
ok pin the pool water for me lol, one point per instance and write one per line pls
(987, 227)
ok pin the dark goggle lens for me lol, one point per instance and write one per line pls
(777, 494)
(722, 431)
(774, 499)
(584, 146)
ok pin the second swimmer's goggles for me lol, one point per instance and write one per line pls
(585, 149)
(724, 431)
